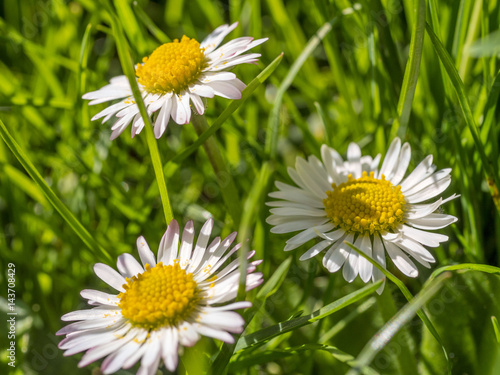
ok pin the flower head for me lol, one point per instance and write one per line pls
(166, 302)
(375, 209)
(175, 75)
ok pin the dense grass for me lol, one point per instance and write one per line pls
(424, 70)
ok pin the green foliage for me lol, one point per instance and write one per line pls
(332, 72)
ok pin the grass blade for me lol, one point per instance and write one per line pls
(66, 214)
(384, 335)
(492, 176)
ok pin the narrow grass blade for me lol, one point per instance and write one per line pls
(153, 29)
(421, 314)
(496, 328)
(411, 71)
(489, 169)
(277, 354)
(66, 214)
(274, 118)
(466, 267)
(289, 325)
(267, 290)
(382, 337)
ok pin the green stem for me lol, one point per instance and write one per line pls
(128, 69)
(160, 178)
(66, 214)
(222, 174)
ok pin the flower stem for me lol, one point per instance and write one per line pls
(160, 177)
(222, 174)
(128, 69)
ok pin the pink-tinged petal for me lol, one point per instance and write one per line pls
(169, 244)
(145, 253)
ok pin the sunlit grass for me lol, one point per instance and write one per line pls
(426, 71)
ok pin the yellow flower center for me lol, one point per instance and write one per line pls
(365, 204)
(172, 66)
(161, 296)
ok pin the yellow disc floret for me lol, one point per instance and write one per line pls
(365, 205)
(160, 296)
(172, 67)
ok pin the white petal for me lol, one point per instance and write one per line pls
(402, 166)
(391, 159)
(101, 297)
(169, 348)
(110, 276)
(433, 221)
(213, 40)
(419, 173)
(335, 257)
(128, 265)
(350, 270)
(365, 267)
(163, 118)
(145, 253)
(306, 235)
(227, 89)
(169, 244)
(401, 260)
(353, 157)
(186, 244)
(201, 245)
(425, 238)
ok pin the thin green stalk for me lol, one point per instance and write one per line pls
(128, 69)
(250, 213)
(411, 72)
(66, 214)
(222, 174)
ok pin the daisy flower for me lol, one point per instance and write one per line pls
(354, 201)
(164, 303)
(175, 75)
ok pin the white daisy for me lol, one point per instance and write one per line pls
(176, 74)
(353, 201)
(167, 302)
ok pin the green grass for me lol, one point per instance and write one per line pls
(426, 71)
